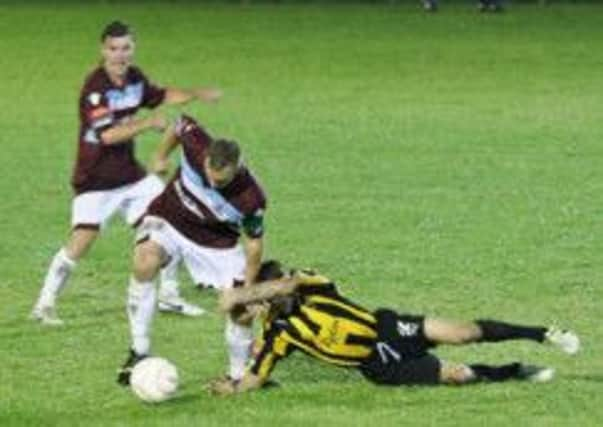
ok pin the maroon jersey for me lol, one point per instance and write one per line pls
(212, 217)
(103, 105)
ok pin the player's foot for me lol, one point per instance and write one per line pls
(46, 315)
(177, 304)
(567, 341)
(124, 373)
(535, 374)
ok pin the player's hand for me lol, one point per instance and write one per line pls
(160, 165)
(208, 95)
(158, 122)
(221, 387)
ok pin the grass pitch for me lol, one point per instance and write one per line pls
(448, 164)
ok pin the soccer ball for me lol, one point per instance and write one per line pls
(154, 379)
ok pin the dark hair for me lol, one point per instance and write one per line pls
(269, 270)
(115, 29)
(222, 153)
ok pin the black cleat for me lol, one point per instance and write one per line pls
(123, 375)
(535, 374)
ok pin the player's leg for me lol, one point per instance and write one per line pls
(141, 300)
(458, 374)
(89, 212)
(238, 332)
(225, 268)
(442, 331)
(239, 341)
(61, 266)
(139, 196)
(148, 257)
(170, 299)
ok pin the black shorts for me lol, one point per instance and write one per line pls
(401, 355)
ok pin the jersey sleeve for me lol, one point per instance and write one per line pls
(193, 137)
(153, 95)
(311, 283)
(275, 348)
(253, 206)
(95, 115)
(253, 224)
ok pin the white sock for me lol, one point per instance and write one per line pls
(58, 272)
(168, 282)
(239, 339)
(141, 309)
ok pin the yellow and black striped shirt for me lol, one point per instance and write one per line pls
(321, 323)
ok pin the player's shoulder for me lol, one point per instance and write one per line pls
(193, 136)
(251, 188)
(185, 124)
(136, 73)
(310, 277)
(311, 284)
(253, 182)
(95, 80)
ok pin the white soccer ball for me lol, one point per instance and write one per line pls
(154, 379)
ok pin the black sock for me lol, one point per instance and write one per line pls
(493, 331)
(496, 373)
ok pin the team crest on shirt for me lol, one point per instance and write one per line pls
(94, 98)
(407, 329)
(128, 97)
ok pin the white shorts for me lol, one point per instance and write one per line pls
(93, 209)
(220, 268)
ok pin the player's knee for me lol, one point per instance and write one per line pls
(147, 261)
(456, 374)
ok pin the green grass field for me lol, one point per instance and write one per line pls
(445, 164)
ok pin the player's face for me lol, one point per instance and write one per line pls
(219, 178)
(118, 53)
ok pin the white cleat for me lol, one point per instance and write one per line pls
(536, 374)
(176, 304)
(567, 341)
(46, 316)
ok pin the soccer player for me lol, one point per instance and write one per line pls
(200, 216)
(107, 179)
(306, 312)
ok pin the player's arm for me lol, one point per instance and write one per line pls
(275, 347)
(181, 96)
(254, 247)
(253, 228)
(169, 141)
(121, 132)
(259, 292)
